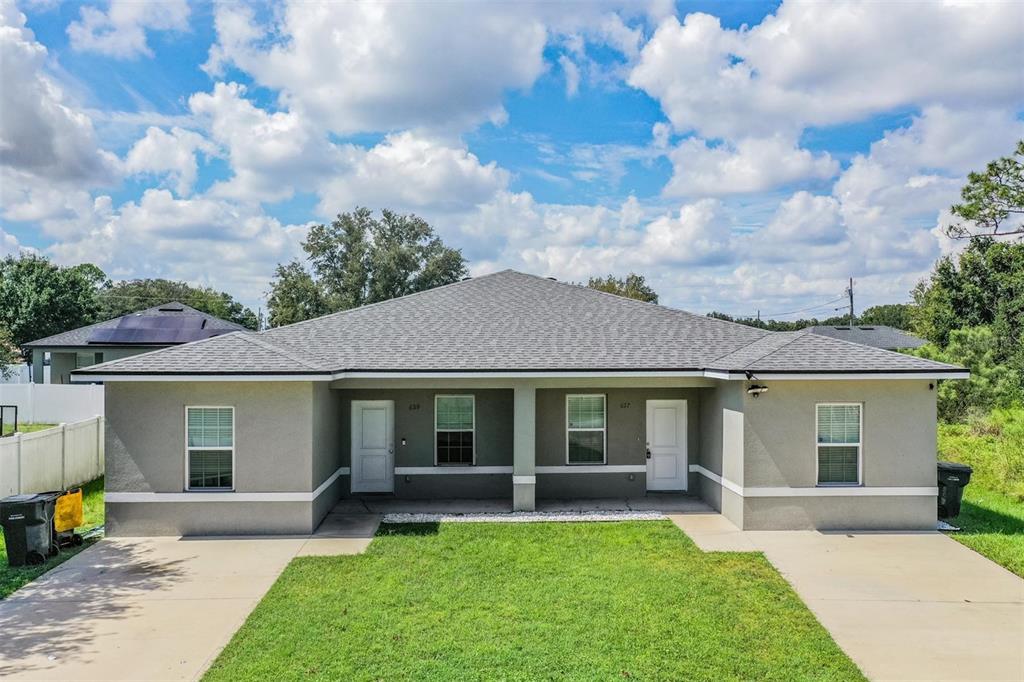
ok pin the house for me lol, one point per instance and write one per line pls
(876, 335)
(161, 326)
(516, 386)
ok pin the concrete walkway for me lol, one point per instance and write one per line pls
(152, 608)
(903, 606)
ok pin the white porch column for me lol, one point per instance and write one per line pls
(524, 447)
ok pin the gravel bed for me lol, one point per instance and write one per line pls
(526, 517)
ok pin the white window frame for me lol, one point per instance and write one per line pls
(859, 445)
(603, 430)
(188, 449)
(472, 399)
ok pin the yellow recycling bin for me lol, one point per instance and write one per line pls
(68, 514)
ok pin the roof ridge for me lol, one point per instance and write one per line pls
(266, 345)
(770, 334)
(638, 301)
(377, 303)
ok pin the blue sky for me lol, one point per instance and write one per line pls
(743, 156)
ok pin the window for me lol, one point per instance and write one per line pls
(454, 425)
(585, 429)
(839, 443)
(210, 447)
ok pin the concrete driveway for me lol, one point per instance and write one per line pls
(152, 608)
(903, 606)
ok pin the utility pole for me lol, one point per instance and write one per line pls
(849, 292)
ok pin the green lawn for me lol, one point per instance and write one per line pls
(586, 601)
(992, 524)
(26, 428)
(992, 517)
(13, 578)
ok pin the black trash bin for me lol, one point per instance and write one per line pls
(27, 521)
(953, 477)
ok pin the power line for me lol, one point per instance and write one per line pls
(804, 310)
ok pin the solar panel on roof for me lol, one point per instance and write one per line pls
(155, 330)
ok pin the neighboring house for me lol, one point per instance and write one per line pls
(875, 335)
(158, 327)
(515, 386)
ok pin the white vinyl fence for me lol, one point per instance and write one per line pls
(53, 403)
(22, 374)
(53, 459)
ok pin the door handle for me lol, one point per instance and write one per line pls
(648, 453)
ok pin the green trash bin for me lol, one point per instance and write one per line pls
(27, 521)
(953, 478)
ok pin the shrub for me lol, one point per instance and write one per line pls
(993, 445)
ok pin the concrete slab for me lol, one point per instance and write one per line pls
(152, 608)
(712, 532)
(903, 606)
(907, 605)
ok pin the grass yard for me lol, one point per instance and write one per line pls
(584, 601)
(992, 517)
(26, 428)
(13, 578)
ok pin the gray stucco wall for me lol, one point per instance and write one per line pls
(414, 423)
(769, 442)
(626, 434)
(274, 445)
(898, 424)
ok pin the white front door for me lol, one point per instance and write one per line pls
(373, 446)
(666, 445)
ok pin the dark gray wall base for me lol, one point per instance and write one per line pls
(456, 486)
(591, 485)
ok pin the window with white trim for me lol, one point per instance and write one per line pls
(839, 443)
(586, 420)
(210, 447)
(454, 429)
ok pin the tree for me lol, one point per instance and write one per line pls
(633, 286)
(992, 383)
(9, 354)
(890, 314)
(993, 201)
(295, 296)
(359, 259)
(39, 299)
(129, 296)
(983, 285)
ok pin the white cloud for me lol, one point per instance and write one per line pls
(9, 245)
(233, 247)
(120, 32)
(699, 235)
(271, 154)
(173, 154)
(409, 171)
(572, 76)
(380, 67)
(749, 165)
(806, 219)
(42, 135)
(826, 63)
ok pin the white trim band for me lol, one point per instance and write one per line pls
(820, 491)
(445, 470)
(593, 469)
(524, 480)
(228, 496)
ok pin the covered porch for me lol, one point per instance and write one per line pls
(565, 443)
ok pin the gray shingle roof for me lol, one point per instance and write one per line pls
(509, 321)
(877, 335)
(80, 336)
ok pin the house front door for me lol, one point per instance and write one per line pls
(373, 446)
(666, 445)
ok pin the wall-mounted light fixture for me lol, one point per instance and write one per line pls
(756, 389)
